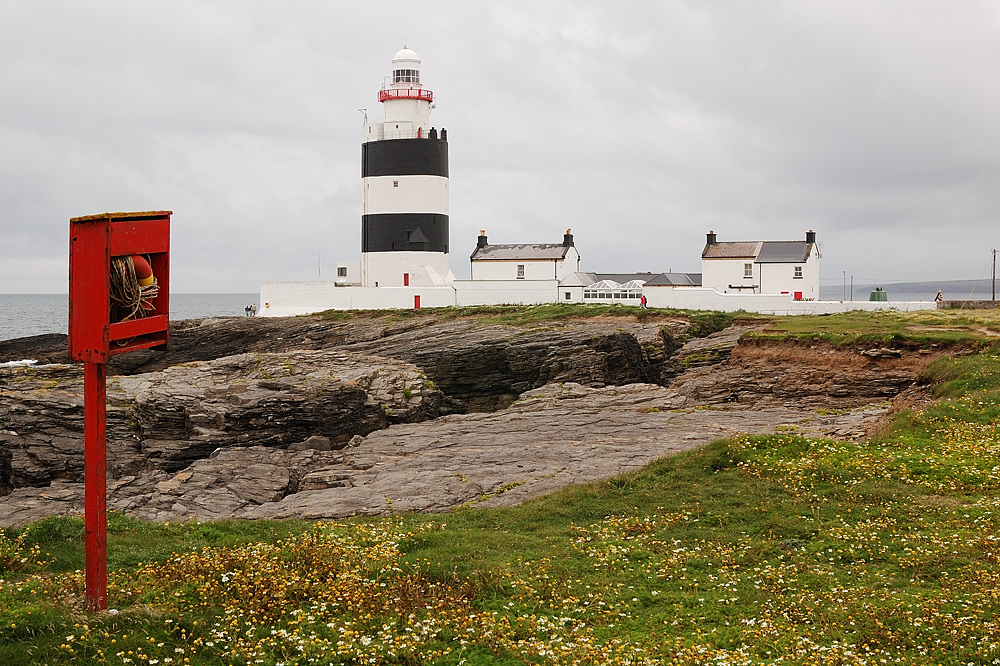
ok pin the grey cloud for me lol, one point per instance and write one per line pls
(639, 124)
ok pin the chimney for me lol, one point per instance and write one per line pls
(568, 238)
(444, 134)
(482, 238)
(710, 237)
(810, 236)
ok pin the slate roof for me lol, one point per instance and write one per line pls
(675, 280)
(653, 279)
(731, 250)
(622, 278)
(784, 252)
(761, 252)
(526, 251)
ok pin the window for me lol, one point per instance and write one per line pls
(798, 273)
(747, 270)
(406, 76)
(520, 271)
(395, 183)
(567, 295)
(341, 271)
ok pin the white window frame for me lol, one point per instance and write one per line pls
(520, 271)
(797, 273)
(747, 271)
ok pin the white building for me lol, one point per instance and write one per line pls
(762, 267)
(524, 261)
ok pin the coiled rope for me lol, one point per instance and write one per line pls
(129, 299)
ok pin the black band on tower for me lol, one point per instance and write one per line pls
(404, 232)
(404, 157)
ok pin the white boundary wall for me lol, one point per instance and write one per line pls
(506, 292)
(285, 299)
(702, 298)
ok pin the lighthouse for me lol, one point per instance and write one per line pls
(404, 181)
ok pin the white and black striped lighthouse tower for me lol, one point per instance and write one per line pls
(404, 179)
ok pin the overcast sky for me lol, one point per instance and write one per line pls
(639, 124)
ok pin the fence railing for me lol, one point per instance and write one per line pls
(405, 93)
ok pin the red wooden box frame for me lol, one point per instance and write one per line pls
(94, 240)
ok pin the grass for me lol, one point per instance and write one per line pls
(702, 322)
(888, 328)
(755, 550)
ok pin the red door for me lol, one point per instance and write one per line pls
(416, 302)
(406, 279)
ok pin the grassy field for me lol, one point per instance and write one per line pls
(764, 550)
(908, 329)
(702, 322)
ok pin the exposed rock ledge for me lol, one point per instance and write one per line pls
(167, 420)
(327, 419)
(553, 437)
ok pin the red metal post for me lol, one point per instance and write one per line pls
(95, 483)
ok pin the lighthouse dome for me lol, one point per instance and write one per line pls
(407, 55)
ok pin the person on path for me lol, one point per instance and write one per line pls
(939, 297)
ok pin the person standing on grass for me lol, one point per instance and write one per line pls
(642, 301)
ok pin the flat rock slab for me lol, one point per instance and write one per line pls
(551, 438)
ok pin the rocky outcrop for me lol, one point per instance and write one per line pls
(479, 365)
(41, 428)
(318, 418)
(549, 439)
(44, 349)
(168, 420)
(484, 368)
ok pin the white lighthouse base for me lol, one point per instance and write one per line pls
(405, 269)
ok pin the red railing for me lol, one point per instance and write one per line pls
(405, 93)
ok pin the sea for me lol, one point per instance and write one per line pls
(22, 315)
